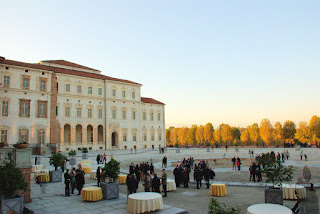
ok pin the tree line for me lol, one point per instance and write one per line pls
(229, 135)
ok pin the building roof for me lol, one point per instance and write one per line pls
(67, 63)
(65, 71)
(150, 100)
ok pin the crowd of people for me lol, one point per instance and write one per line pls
(74, 180)
(101, 159)
(144, 172)
(236, 163)
(201, 171)
(255, 172)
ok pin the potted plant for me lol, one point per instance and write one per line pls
(21, 145)
(3, 144)
(57, 160)
(220, 208)
(72, 153)
(110, 190)
(12, 180)
(275, 172)
(84, 151)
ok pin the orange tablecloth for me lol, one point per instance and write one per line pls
(44, 177)
(122, 179)
(87, 169)
(218, 189)
(92, 193)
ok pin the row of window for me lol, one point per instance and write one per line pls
(25, 82)
(134, 137)
(23, 136)
(24, 108)
(79, 89)
(133, 115)
(90, 91)
(43, 87)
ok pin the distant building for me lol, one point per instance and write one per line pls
(61, 105)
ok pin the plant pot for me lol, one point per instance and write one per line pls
(15, 205)
(55, 176)
(20, 146)
(72, 161)
(84, 156)
(3, 145)
(110, 190)
(273, 195)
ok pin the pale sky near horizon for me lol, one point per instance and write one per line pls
(233, 62)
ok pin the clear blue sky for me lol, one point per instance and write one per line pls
(217, 61)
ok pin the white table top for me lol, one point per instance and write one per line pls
(292, 186)
(268, 209)
(145, 196)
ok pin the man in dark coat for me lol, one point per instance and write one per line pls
(79, 181)
(67, 180)
(206, 175)
(176, 174)
(131, 168)
(197, 176)
(132, 184)
(253, 171)
(98, 176)
(156, 183)
(164, 182)
(185, 177)
(151, 168)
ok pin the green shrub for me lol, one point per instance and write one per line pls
(57, 159)
(112, 169)
(11, 179)
(84, 150)
(72, 152)
(220, 208)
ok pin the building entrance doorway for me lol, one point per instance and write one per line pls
(114, 139)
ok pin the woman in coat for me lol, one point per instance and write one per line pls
(79, 181)
(73, 180)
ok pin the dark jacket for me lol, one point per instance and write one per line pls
(80, 180)
(155, 182)
(67, 178)
(197, 174)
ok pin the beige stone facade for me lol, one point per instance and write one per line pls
(61, 105)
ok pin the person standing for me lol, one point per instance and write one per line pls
(67, 180)
(79, 181)
(63, 165)
(98, 159)
(147, 182)
(233, 163)
(185, 177)
(98, 176)
(287, 153)
(238, 163)
(306, 174)
(104, 157)
(253, 171)
(151, 168)
(197, 176)
(176, 176)
(36, 160)
(301, 154)
(73, 180)
(305, 156)
(132, 184)
(206, 175)
(156, 183)
(164, 182)
(131, 168)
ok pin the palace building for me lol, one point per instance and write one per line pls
(59, 105)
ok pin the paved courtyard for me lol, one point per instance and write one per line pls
(191, 200)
